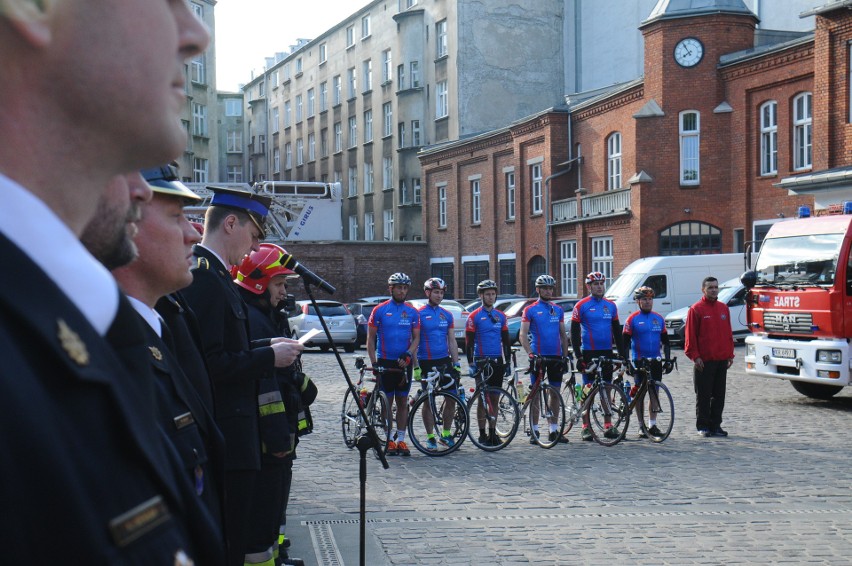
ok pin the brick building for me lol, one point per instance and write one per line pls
(725, 133)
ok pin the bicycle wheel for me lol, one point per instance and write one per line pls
(657, 400)
(350, 418)
(548, 415)
(608, 401)
(500, 415)
(444, 412)
(376, 414)
(573, 408)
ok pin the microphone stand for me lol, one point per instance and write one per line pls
(363, 442)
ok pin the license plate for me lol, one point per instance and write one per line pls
(788, 353)
(459, 333)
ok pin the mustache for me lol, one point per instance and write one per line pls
(134, 212)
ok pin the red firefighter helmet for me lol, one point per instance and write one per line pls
(259, 267)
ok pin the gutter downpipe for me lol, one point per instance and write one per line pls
(547, 223)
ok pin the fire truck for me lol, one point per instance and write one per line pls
(800, 303)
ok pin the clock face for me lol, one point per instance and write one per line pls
(688, 52)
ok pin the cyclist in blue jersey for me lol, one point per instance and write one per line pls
(437, 349)
(543, 334)
(644, 335)
(392, 336)
(594, 332)
(487, 342)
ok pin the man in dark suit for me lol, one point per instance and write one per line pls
(233, 227)
(85, 472)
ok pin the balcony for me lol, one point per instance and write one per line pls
(592, 207)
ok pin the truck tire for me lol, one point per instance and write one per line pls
(816, 390)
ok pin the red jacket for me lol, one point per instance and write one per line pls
(708, 331)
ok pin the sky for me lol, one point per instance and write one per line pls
(247, 31)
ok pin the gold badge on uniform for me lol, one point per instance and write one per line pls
(72, 343)
(158, 355)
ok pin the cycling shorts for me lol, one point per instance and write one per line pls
(588, 356)
(498, 367)
(656, 372)
(554, 367)
(444, 383)
(395, 383)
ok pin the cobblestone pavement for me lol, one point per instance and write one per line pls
(778, 490)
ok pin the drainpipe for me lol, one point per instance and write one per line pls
(547, 205)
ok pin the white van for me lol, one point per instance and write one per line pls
(676, 280)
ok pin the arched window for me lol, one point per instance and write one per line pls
(802, 131)
(769, 138)
(690, 238)
(535, 267)
(613, 161)
(690, 143)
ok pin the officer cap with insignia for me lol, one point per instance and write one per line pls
(165, 181)
(257, 206)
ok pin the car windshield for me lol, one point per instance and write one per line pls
(454, 307)
(517, 308)
(329, 310)
(799, 260)
(624, 285)
(726, 293)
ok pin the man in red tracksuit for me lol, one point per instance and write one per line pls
(710, 345)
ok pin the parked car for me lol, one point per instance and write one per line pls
(340, 322)
(514, 312)
(375, 299)
(503, 302)
(361, 313)
(733, 294)
(458, 311)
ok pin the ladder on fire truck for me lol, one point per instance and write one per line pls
(299, 210)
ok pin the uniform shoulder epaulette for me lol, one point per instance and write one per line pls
(202, 263)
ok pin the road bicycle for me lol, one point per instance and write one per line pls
(660, 403)
(543, 404)
(438, 410)
(603, 403)
(375, 405)
(494, 409)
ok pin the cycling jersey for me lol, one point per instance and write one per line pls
(546, 322)
(646, 332)
(394, 323)
(595, 316)
(435, 323)
(487, 327)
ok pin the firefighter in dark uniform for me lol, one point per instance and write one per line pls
(233, 227)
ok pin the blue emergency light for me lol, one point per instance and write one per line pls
(847, 207)
(804, 211)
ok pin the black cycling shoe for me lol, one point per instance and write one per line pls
(719, 432)
(533, 437)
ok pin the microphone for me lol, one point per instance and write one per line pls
(309, 276)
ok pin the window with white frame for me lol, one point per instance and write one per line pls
(769, 138)
(350, 81)
(198, 10)
(353, 227)
(602, 256)
(275, 80)
(441, 39)
(287, 73)
(368, 75)
(337, 90)
(312, 147)
(442, 106)
(323, 53)
(415, 133)
(350, 35)
(387, 120)
(368, 177)
(442, 207)
(387, 173)
(475, 202)
(400, 77)
(415, 74)
(365, 26)
(353, 131)
(235, 173)
(536, 193)
(404, 197)
(387, 227)
(353, 181)
(368, 126)
(233, 107)
(288, 156)
(311, 97)
(401, 135)
(568, 267)
(261, 89)
(276, 160)
(199, 119)
(275, 119)
(613, 161)
(690, 142)
(299, 66)
(415, 188)
(510, 195)
(298, 108)
(387, 66)
(199, 73)
(287, 114)
(323, 96)
(199, 170)
(261, 143)
(802, 131)
(369, 227)
(324, 142)
(300, 152)
(235, 141)
(338, 137)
